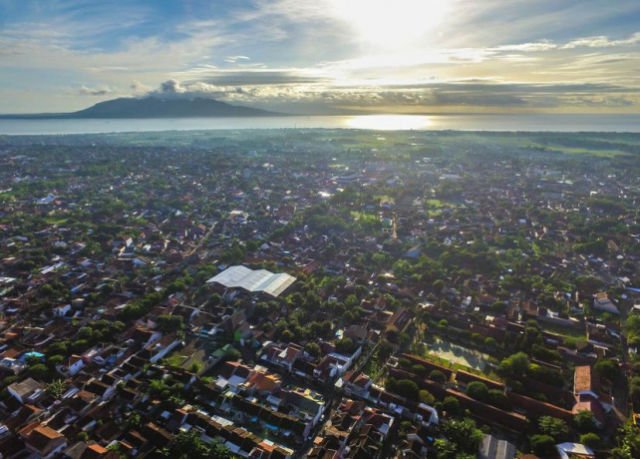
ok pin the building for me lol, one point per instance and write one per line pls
(259, 280)
(26, 390)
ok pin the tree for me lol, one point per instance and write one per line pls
(345, 346)
(438, 285)
(497, 398)
(168, 323)
(451, 405)
(60, 347)
(79, 346)
(478, 390)
(403, 387)
(57, 388)
(584, 421)
(385, 350)
(588, 285)
(445, 449)
(628, 442)
(463, 433)
(542, 445)
(39, 371)
(592, 440)
(54, 361)
(514, 366)
(189, 445)
(634, 388)
(426, 397)
(499, 307)
(555, 427)
(419, 370)
(490, 342)
(545, 374)
(232, 354)
(607, 369)
(313, 349)
(437, 376)
(287, 335)
(85, 333)
(134, 420)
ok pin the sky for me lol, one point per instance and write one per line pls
(325, 56)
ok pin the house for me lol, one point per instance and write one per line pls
(83, 450)
(358, 384)
(26, 390)
(309, 406)
(357, 333)
(74, 364)
(494, 448)
(601, 302)
(262, 382)
(62, 311)
(163, 347)
(13, 365)
(572, 450)
(233, 374)
(43, 441)
(334, 365)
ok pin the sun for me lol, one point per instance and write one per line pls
(392, 24)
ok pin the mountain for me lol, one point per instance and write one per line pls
(155, 107)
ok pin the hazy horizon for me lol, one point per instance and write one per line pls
(442, 122)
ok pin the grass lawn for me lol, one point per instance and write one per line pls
(563, 331)
(187, 356)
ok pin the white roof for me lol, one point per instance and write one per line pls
(259, 280)
(564, 449)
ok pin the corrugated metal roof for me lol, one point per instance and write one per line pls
(259, 280)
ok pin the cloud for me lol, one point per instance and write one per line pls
(319, 96)
(538, 46)
(492, 54)
(263, 77)
(171, 87)
(234, 59)
(137, 87)
(86, 91)
(602, 41)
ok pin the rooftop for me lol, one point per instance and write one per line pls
(251, 280)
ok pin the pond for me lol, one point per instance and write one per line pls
(457, 354)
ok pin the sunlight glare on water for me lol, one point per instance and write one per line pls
(389, 122)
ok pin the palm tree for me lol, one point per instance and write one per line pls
(57, 388)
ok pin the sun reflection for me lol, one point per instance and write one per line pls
(389, 122)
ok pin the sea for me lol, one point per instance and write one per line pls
(466, 122)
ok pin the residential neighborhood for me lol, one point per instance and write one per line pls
(320, 293)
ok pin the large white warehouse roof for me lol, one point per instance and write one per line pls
(259, 280)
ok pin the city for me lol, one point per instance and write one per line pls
(319, 293)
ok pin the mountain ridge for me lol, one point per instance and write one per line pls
(153, 107)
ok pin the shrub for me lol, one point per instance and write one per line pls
(437, 376)
(478, 390)
(542, 445)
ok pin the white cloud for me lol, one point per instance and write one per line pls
(602, 41)
(308, 52)
(234, 59)
(100, 91)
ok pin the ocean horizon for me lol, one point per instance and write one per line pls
(456, 122)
